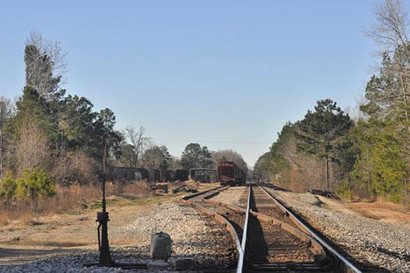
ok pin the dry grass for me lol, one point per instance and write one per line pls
(192, 185)
(70, 199)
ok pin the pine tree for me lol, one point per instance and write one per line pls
(322, 133)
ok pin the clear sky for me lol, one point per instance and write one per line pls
(226, 74)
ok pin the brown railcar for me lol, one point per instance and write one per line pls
(230, 174)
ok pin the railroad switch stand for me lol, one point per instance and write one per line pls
(105, 258)
(103, 244)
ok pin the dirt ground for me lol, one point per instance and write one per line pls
(383, 211)
(52, 235)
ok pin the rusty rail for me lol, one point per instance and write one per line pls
(348, 266)
(241, 258)
(219, 218)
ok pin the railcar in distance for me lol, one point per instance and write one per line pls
(204, 175)
(230, 174)
(181, 175)
(168, 176)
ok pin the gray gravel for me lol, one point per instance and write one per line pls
(74, 264)
(384, 244)
(193, 235)
(232, 196)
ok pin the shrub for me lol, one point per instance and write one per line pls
(344, 191)
(8, 187)
(35, 183)
(74, 168)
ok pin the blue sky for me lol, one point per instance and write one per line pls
(226, 74)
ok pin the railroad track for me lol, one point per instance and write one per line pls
(278, 242)
(269, 237)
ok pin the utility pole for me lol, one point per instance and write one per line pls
(103, 218)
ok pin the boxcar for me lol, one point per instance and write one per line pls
(121, 173)
(143, 174)
(168, 176)
(154, 175)
(230, 174)
(181, 175)
(202, 174)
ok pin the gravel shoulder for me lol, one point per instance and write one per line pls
(382, 241)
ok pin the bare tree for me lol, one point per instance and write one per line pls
(390, 33)
(45, 64)
(156, 157)
(32, 148)
(391, 25)
(138, 142)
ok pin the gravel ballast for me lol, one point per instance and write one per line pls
(367, 240)
(233, 196)
(194, 236)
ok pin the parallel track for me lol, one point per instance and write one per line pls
(280, 246)
(269, 237)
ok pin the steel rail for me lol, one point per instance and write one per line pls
(219, 218)
(241, 258)
(194, 195)
(349, 266)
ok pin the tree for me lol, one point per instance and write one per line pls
(205, 159)
(195, 156)
(76, 122)
(32, 148)
(35, 183)
(229, 155)
(107, 138)
(157, 157)
(8, 187)
(262, 171)
(391, 90)
(45, 64)
(5, 114)
(323, 132)
(383, 139)
(32, 131)
(131, 153)
(32, 107)
(381, 166)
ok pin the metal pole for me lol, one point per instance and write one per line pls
(103, 218)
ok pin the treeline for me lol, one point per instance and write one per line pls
(50, 138)
(366, 158)
(158, 157)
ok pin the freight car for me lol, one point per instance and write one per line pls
(120, 173)
(143, 174)
(181, 175)
(154, 175)
(202, 175)
(168, 176)
(230, 174)
(127, 173)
